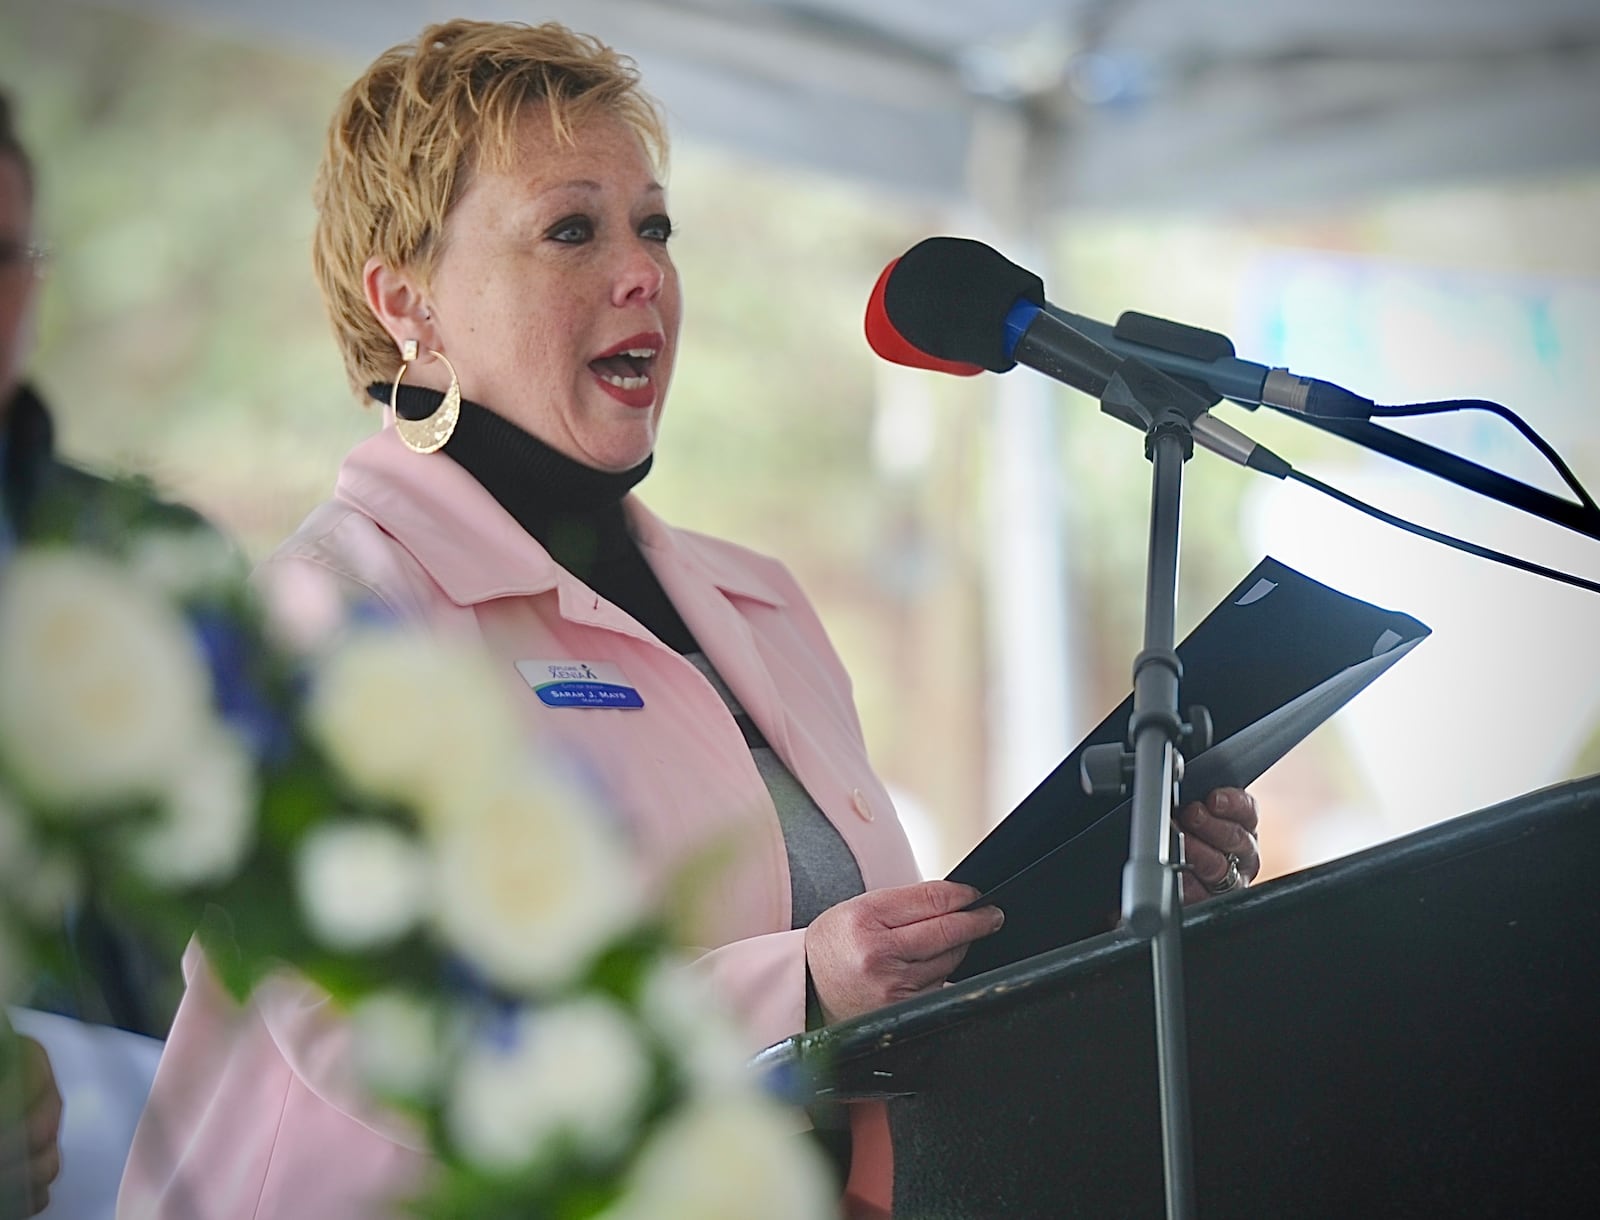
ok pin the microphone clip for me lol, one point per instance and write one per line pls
(1141, 395)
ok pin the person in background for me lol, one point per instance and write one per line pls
(493, 246)
(25, 457)
(117, 980)
(30, 1103)
(42, 496)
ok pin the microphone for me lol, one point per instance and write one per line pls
(1205, 361)
(957, 306)
(968, 307)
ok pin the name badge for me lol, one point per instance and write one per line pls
(579, 684)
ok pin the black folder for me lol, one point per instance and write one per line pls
(1276, 658)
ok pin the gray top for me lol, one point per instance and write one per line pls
(822, 871)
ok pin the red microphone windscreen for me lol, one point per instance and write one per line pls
(893, 346)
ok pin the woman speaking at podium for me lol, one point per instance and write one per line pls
(493, 246)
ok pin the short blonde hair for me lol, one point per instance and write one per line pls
(408, 135)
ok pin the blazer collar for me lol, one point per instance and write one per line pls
(476, 551)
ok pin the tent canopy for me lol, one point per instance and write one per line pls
(1170, 104)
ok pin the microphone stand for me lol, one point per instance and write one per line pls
(1151, 882)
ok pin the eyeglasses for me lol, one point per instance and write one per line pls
(16, 255)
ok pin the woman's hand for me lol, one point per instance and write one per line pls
(30, 1121)
(891, 944)
(1219, 843)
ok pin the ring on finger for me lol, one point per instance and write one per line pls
(1231, 879)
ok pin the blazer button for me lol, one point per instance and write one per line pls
(858, 802)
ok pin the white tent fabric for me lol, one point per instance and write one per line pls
(1130, 103)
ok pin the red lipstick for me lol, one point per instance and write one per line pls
(626, 370)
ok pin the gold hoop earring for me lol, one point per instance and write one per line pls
(429, 434)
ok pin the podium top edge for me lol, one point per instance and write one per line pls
(1483, 829)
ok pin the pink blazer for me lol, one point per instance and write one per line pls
(252, 1113)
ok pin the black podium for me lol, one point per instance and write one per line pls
(1411, 1031)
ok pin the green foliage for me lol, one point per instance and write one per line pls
(238, 868)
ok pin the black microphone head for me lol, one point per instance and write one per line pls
(949, 296)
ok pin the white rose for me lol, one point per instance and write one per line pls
(728, 1159)
(362, 885)
(694, 1025)
(207, 820)
(181, 563)
(105, 688)
(52, 886)
(575, 1069)
(397, 1041)
(531, 883)
(414, 718)
(42, 882)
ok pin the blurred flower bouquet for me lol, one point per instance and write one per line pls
(372, 819)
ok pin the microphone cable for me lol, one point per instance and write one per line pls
(1512, 418)
(1422, 531)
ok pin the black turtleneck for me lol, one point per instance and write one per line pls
(574, 511)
